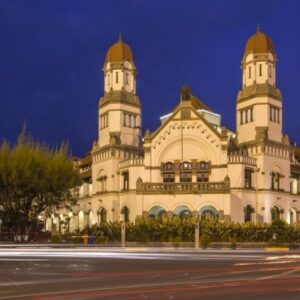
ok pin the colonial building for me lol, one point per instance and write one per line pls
(191, 165)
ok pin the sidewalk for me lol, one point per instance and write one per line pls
(142, 248)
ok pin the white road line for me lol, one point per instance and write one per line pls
(282, 257)
(24, 259)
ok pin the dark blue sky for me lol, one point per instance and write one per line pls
(52, 53)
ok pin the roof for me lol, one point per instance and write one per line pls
(86, 160)
(119, 52)
(197, 104)
(259, 43)
(297, 151)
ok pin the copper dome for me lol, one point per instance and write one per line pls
(119, 52)
(259, 43)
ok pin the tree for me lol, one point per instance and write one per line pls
(34, 178)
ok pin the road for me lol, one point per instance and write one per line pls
(58, 274)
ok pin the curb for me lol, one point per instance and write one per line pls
(277, 248)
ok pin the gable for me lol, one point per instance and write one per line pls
(184, 112)
(186, 135)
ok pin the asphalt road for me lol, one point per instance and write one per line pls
(50, 274)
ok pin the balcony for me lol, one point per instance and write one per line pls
(131, 162)
(183, 187)
(241, 159)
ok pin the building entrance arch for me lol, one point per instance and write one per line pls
(208, 212)
(157, 211)
(182, 211)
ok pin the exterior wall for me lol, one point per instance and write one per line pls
(106, 168)
(261, 118)
(119, 76)
(268, 164)
(259, 69)
(115, 113)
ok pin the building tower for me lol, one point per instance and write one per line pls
(259, 103)
(119, 121)
(119, 108)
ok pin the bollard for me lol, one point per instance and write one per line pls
(123, 234)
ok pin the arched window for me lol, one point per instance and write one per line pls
(102, 215)
(125, 212)
(102, 181)
(248, 211)
(275, 180)
(203, 170)
(168, 172)
(208, 212)
(260, 69)
(182, 211)
(275, 213)
(157, 211)
(185, 172)
(90, 218)
(70, 222)
(49, 224)
(125, 176)
(81, 220)
(108, 79)
(248, 177)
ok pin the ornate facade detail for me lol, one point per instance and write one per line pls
(184, 188)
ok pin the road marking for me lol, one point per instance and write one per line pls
(283, 256)
(266, 263)
(24, 259)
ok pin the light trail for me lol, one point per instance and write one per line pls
(149, 255)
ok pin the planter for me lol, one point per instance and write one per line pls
(85, 239)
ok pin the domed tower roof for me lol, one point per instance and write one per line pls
(119, 52)
(259, 43)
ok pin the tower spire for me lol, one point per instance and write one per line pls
(257, 27)
(120, 36)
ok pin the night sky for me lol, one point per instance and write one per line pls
(52, 54)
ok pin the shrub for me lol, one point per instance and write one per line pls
(77, 239)
(67, 237)
(166, 229)
(233, 242)
(176, 240)
(204, 241)
(56, 239)
(100, 240)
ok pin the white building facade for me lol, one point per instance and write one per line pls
(191, 165)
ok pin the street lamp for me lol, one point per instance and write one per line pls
(256, 195)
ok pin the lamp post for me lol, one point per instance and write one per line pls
(123, 234)
(256, 195)
(197, 230)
